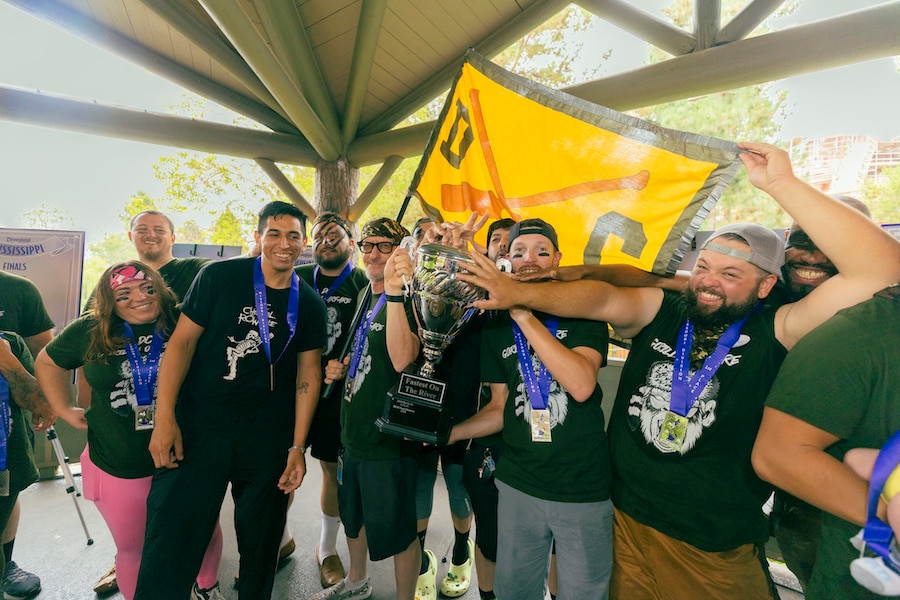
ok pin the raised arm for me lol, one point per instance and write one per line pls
(618, 275)
(402, 342)
(628, 310)
(165, 441)
(866, 256)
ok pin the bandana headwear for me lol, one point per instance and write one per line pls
(384, 227)
(124, 274)
(329, 217)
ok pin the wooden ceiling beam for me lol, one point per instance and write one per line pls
(80, 26)
(287, 34)
(32, 108)
(232, 20)
(747, 20)
(653, 30)
(371, 17)
(530, 18)
(173, 12)
(855, 37)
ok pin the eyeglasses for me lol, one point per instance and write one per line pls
(383, 247)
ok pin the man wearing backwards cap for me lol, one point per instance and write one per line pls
(687, 504)
(554, 476)
(377, 472)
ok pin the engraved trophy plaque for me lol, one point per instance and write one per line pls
(415, 408)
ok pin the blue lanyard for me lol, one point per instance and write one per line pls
(5, 417)
(537, 385)
(143, 370)
(686, 392)
(328, 292)
(262, 310)
(877, 534)
(362, 330)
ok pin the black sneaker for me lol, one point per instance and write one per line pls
(18, 584)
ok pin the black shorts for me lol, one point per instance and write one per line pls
(325, 438)
(380, 494)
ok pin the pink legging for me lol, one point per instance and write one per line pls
(123, 505)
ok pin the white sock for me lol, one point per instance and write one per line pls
(354, 585)
(328, 538)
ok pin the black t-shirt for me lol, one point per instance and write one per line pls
(228, 384)
(340, 308)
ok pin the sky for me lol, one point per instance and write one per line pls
(91, 177)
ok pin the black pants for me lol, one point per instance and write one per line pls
(184, 503)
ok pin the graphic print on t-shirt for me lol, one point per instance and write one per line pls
(122, 397)
(333, 328)
(365, 363)
(252, 342)
(648, 408)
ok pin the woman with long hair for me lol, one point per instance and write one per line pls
(120, 343)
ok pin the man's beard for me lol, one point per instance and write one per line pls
(724, 315)
(333, 262)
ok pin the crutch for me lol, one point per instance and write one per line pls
(67, 475)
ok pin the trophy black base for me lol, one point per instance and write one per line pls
(415, 410)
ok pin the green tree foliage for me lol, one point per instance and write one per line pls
(547, 54)
(883, 196)
(46, 216)
(750, 113)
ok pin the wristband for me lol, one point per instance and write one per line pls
(391, 298)
(302, 449)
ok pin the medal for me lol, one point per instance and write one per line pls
(143, 417)
(143, 375)
(540, 425)
(673, 431)
(537, 385)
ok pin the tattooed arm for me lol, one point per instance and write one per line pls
(23, 388)
(309, 382)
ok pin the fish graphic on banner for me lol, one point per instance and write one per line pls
(618, 188)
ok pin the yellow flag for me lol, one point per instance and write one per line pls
(616, 188)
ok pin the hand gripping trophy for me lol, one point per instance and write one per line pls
(415, 408)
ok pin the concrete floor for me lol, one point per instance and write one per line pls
(52, 544)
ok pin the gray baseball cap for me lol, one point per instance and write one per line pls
(766, 246)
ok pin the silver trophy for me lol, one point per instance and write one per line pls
(415, 408)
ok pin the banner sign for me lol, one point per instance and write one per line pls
(617, 189)
(53, 261)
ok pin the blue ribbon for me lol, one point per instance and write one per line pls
(878, 534)
(262, 310)
(329, 291)
(5, 417)
(143, 371)
(537, 385)
(686, 392)
(362, 330)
